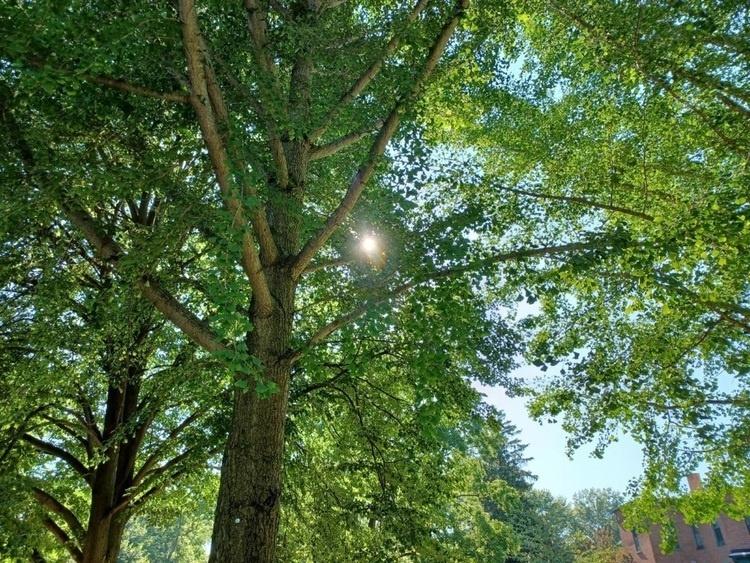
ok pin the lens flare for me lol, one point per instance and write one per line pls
(369, 244)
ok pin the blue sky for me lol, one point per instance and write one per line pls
(546, 445)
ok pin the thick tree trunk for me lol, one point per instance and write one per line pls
(247, 513)
(103, 540)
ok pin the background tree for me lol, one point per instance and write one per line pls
(596, 536)
(177, 529)
(594, 510)
(103, 400)
(629, 117)
(661, 92)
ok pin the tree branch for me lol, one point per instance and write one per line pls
(364, 80)
(270, 89)
(59, 453)
(79, 435)
(201, 100)
(53, 505)
(324, 332)
(323, 264)
(194, 328)
(154, 457)
(333, 147)
(737, 402)
(17, 433)
(155, 489)
(578, 201)
(155, 472)
(355, 189)
(330, 4)
(343, 372)
(63, 539)
(137, 90)
(114, 83)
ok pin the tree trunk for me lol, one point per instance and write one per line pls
(247, 513)
(116, 531)
(113, 476)
(103, 486)
(103, 539)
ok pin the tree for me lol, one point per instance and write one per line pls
(654, 340)
(596, 535)
(553, 529)
(177, 530)
(272, 153)
(263, 131)
(103, 399)
(544, 524)
(594, 511)
(107, 421)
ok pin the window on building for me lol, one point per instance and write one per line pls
(697, 537)
(717, 533)
(747, 523)
(636, 541)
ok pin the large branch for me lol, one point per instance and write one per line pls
(53, 505)
(59, 453)
(63, 538)
(370, 73)
(357, 186)
(257, 213)
(193, 327)
(324, 332)
(206, 112)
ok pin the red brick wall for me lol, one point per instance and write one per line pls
(735, 533)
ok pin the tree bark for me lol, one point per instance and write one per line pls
(104, 539)
(247, 513)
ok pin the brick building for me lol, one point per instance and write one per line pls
(705, 543)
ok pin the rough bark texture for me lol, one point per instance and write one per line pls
(252, 463)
